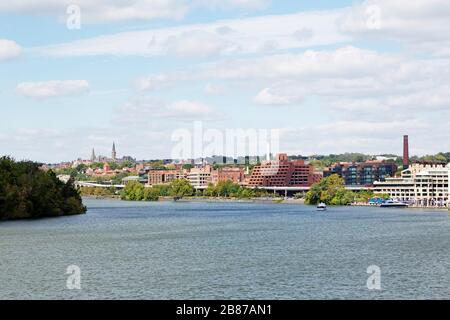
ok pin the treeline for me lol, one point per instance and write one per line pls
(26, 191)
(331, 191)
(135, 191)
(98, 191)
(228, 189)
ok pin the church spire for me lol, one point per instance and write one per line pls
(113, 153)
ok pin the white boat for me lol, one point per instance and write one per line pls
(391, 203)
(321, 207)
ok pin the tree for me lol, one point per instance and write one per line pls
(26, 191)
(330, 190)
(187, 166)
(180, 188)
(210, 191)
(133, 191)
(151, 194)
(96, 165)
(163, 189)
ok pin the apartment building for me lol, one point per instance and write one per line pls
(235, 175)
(200, 177)
(165, 176)
(282, 173)
(422, 184)
(362, 173)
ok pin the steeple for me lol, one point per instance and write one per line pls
(113, 153)
(93, 157)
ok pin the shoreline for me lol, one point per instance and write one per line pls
(252, 200)
(206, 199)
(409, 207)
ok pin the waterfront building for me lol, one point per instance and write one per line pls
(362, 173)
(422, 184)
(317, 176)
(235, 175)
(200, 177)
(282, 172)
(164, 176)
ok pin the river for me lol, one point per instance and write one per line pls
(169, 250)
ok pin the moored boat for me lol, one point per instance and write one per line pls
(321, 207)
(393, 204)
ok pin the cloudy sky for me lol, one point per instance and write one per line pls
(332, 76)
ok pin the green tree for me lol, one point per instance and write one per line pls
(187, 166)
(210, 191)
(330, 190)
(151, 194)
(133, 191)
(163, 190)
(26, 191)
(180, 188)
(96, 165)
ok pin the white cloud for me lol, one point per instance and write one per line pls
(94, 11)
(101, 10)
(55, 88)
(233, 4)
(154, 82)
(373, 137)
(9, 49)
(266, 97)
(214, 89)
(348, 63)
(226, 37)
(419, 23)
(193, 108)
(198, 43)
(145, 109)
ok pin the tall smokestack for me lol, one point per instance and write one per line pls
(405, 152)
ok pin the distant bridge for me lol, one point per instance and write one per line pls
(291, 190)
(99, 185)
(274, 189)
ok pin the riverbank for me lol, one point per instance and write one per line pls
(235, 200)
(410, 206)
(211, 199)
(252, 200)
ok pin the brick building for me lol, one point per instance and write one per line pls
(164, 176)
(235, 175)
(282, 173)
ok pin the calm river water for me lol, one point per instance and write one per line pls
(166, 250)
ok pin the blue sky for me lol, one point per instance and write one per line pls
(332, 76)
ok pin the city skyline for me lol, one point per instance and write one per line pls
(332, 77)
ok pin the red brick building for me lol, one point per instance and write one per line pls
(164, 176)
(235, 175)
(282, 173)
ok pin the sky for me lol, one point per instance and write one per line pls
(329, 76)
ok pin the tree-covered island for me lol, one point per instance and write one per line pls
(26, 192)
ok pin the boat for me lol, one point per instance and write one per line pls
(321, 207)
(391, 203)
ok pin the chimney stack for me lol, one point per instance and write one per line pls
(405, 152)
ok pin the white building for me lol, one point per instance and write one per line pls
(200, 177)
(421, 184)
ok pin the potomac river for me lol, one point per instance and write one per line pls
(170, 250)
